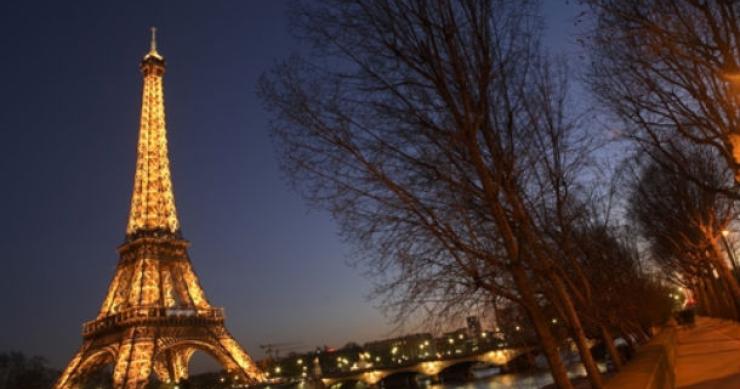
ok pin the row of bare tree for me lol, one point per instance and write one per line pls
(440, 136)
(669, 70)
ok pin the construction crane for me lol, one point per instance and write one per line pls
(273, 350)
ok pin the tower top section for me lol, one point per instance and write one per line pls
(153, 201)
(153, 62)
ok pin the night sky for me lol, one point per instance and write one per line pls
(69, 110)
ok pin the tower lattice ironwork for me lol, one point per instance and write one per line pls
(155, 314)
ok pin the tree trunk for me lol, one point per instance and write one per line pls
(701, 297)
(606, 336)
(726, 274)
(628, 337)
(732, 285)
(579, 335)
(640, 335)
(714, 298)
(729, 311)
(547, 340)
(713, 305)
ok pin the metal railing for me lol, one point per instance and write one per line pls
(151, 314)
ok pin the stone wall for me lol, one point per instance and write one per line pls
(653, 367)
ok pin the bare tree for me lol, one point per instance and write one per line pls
(437, 133)
(669, 69)
(682, 222)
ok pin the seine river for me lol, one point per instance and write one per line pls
(529, 380)
(534, 380)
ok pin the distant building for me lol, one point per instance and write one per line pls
(474, 327)
(342, 360)
(454, 343)
(401, 350)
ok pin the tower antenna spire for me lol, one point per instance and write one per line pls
(153, 47)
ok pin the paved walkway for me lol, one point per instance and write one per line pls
(708, 355)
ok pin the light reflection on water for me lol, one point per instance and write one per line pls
(531, 380)
(528, 380)
(521, 380)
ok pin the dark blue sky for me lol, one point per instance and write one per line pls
(69, 107)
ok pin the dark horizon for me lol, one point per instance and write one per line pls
(70, 119)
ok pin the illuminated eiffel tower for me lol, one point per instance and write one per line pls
(155, 315)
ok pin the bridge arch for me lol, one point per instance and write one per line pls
(402, 379)
(346, 384)
(458, 370)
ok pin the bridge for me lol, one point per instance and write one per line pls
(407, 355)
(431, 368)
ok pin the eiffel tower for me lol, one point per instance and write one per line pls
(155, 314)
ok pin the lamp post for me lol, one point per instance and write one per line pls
(730, 252)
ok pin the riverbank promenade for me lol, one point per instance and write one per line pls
(708, 355)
